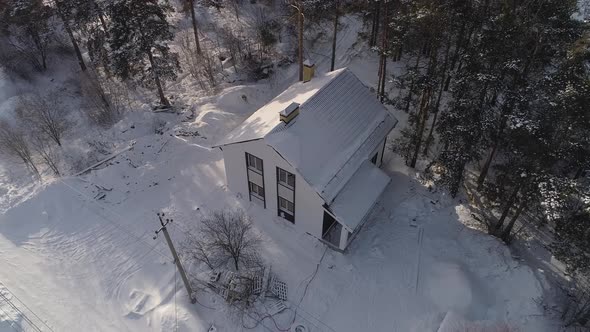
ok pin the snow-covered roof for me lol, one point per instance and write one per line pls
(359, 194)
(340, 123)
(266, 118)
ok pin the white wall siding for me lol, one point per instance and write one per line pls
(309, 209)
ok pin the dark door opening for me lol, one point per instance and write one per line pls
(328, 223)
(331, 230)
(374, 159)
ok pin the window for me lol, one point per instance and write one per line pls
(286, 178)
(255, 176)
(286, 188)
(254, 163)
(286, 205)
(256, 189)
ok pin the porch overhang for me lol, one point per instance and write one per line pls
(354, 202)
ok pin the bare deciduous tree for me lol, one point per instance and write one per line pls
(225, 237)
(189, 57)
(201, 66)
(46, 115)
(105, 101)
(233, 44)
(46, 151)
(13, 143)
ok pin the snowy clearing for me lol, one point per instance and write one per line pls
(77, 253)
(413, 262)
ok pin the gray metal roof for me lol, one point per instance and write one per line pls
(336, 130)
(340, 123)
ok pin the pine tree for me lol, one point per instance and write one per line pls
(497, 54)
(535, 33)
(424, 27)
(546, 141)
(459, 129)
(77, 13)
(139, 35)
(572, 245)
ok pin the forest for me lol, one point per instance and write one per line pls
(497, 92)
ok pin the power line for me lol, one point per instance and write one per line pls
(114, 223)
(12, 323)
(27, 307)
(15, 308)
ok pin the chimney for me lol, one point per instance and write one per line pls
(308, 70)
(289, 113)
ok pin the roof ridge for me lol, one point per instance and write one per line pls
(265, 114)
(323, 88)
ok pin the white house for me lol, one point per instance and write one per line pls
(312, 156)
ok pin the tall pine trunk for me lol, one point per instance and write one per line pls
(375, 25)
(300, 38)
(495, 144)
(456, 182)
(382, 83)
(508, 207)
(335, 36)
(412, 84)
(486, 166)
(438, 98)
(423, 116)
(195, 30)
(518, 81)
(71, 35)
(383, 58)
(75, 45)
(455, 57)
(425, 103)
(506, 232)
(163, 100)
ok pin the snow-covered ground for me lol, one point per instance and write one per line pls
(83, 263)
(79, 253)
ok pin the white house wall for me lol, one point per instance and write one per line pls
(309, 211)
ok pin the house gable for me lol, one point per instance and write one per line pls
(308, 204)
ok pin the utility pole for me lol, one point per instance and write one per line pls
(176, 260)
